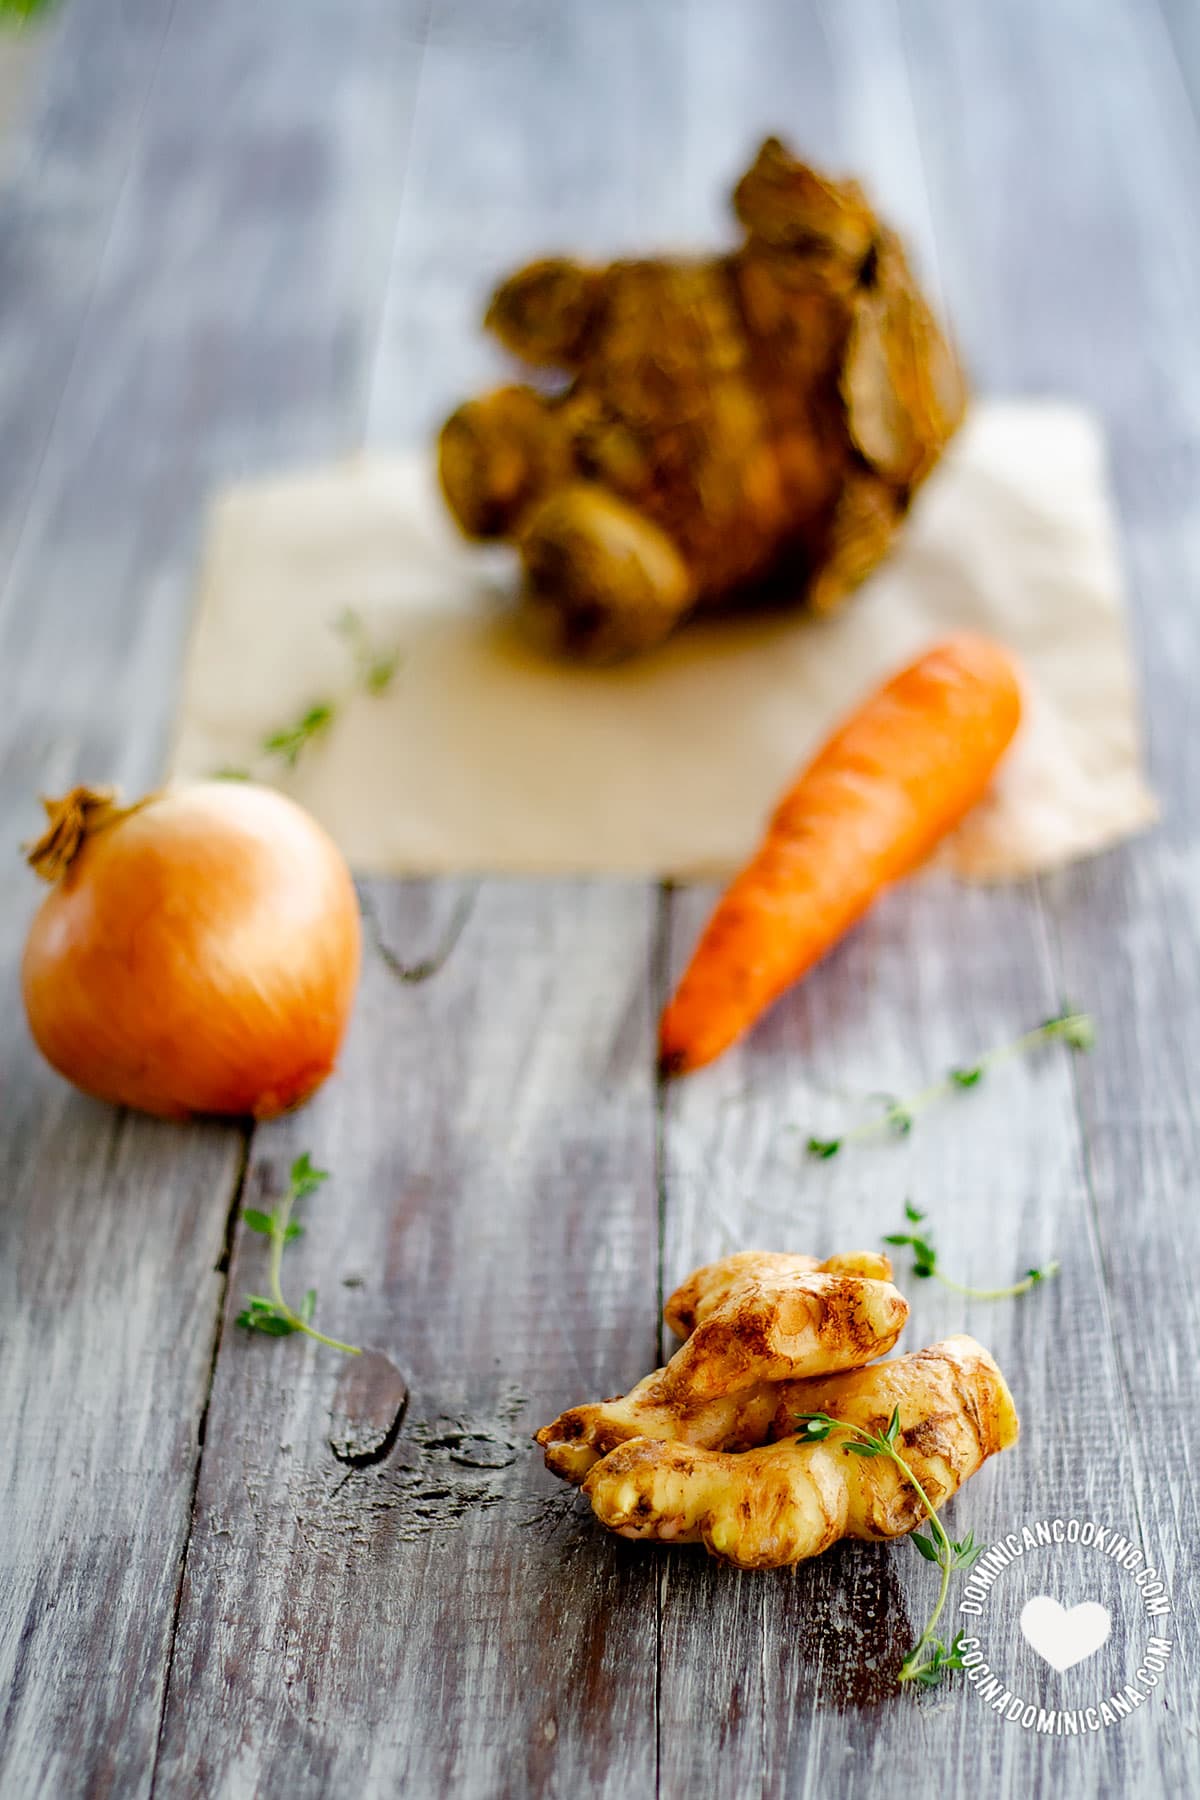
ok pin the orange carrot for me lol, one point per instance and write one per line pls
(886, 786)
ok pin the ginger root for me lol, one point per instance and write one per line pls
(756, 1319)
(709, 1287)
(787, 1500)
(757, 421)
(783, 1325)
(708, 1451)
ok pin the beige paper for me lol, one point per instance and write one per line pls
(482, 755)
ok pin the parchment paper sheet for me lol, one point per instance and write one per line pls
(482, 755)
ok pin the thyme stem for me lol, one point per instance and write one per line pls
(278, 1239)
(940, 1548)
(900, 1115)
(270, 1313)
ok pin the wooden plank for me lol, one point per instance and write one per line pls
(322, 1635)
(64, 173)
(1117, 151)
(110, 1240)
(1078, 254)
(797, 1694)
(532, 1665)
(1183, 30)
(936, 975)
(110, 1246)
(558, 159)
(180, 303)
(232, 327)
(19, 54)
(445, 1620)
(772, 71)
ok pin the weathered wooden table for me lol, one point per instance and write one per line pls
(245, 236)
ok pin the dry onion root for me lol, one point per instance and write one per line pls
(199, 952)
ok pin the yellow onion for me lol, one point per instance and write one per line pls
(199, 952)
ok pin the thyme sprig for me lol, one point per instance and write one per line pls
(1075, 1029)
(290, 741)
(929, 1659)
(374, 667)
(374, 670)
(925, 1263)
(270, 1313)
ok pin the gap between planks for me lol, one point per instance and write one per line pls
(418, 973)
(660, 970)
(234, 1206)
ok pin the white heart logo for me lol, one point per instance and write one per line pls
(1064, 1638)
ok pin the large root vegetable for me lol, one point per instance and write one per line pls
(789, 1500)
(757, 420)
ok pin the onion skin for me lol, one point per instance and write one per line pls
(199, 955)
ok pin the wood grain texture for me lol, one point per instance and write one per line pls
(444, 1620)
(1183, 30)
(109, 1284)
(193, 243)
(238, 237)
(64, 177)
(934, 976)
(1083, 185)
(536, 129)
(19, 57)
(224, 321)
(109, 1240)
(1116, 143)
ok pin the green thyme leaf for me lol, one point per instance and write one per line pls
(824, 1148)
(817, 1426)
(928, 1659)
(898, 1116)
(273, 1316)
(374, 668)
(378, 676)
(305, 1177)
(1074, 1028)
(925, 1264)
(270, 1323)
(290, 741)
